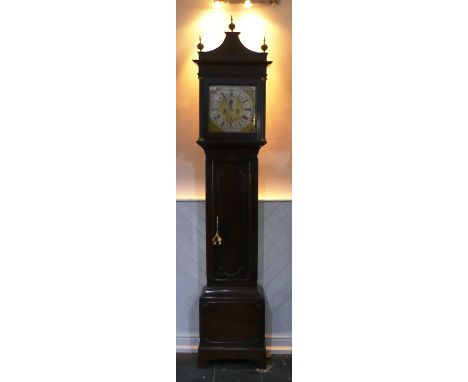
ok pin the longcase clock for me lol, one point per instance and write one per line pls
(232, 130)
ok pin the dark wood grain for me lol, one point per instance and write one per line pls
(232, 305)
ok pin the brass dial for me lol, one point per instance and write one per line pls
(231, 109)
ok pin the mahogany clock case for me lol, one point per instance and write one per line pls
(232, 305)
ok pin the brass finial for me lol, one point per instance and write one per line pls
(231, 26)
(200, 46)
(264, 46)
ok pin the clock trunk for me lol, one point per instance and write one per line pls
(232, 205)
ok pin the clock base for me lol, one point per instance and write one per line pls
(207, 354)
(232, 324)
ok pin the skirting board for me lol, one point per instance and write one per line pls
(274, 345)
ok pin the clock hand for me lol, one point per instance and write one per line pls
(228, 101)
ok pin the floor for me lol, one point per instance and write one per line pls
(278, 370)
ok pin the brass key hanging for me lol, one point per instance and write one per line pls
(217, 239)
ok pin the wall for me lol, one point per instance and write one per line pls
(274, 271)
(196, 18)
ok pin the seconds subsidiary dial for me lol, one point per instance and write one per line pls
(231, 109)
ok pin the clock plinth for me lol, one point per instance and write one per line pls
(232, 130)
(232, 325)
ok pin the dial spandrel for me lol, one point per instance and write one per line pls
(231, 109)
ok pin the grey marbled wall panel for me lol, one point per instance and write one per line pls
(274, 267)
(190, 265)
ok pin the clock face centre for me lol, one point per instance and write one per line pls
(231, 109)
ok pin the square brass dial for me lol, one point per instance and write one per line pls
(231, 109)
